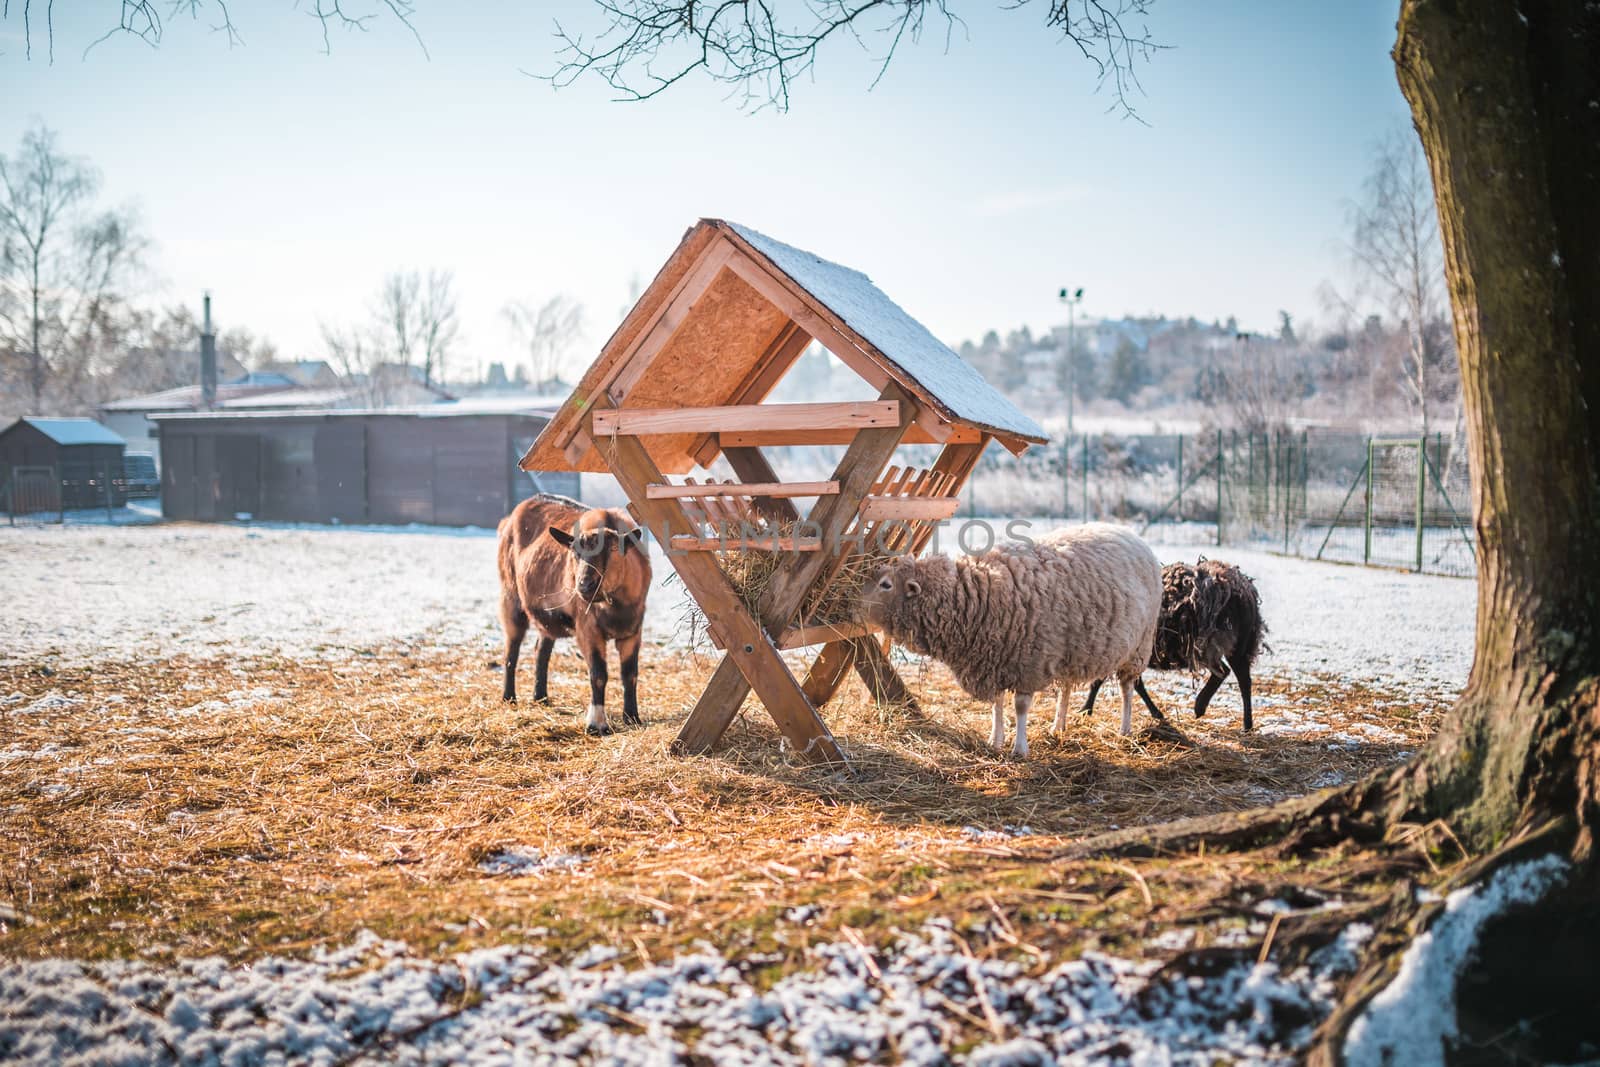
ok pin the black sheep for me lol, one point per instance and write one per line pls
(1210, 621)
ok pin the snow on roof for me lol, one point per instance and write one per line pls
(538, 406)
(866, 310)
(74, 431)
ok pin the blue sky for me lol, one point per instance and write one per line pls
(971, 183)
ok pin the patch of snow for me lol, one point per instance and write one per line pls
(520, 860)
(51, 701)
(1414, 1017)
(372, 1002)
(975, 833)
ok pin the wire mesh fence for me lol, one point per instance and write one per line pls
(1385, 501)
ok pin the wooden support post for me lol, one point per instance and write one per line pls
(786, 591)
(751, 466)
(751, 654)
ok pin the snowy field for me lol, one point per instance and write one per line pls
(81, 594)
(89, 595)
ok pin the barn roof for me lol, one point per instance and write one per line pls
(73, 431)
(726, 317)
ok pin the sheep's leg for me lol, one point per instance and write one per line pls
(1021, 702)
(593, 647)
(1144, 694)
(1094, 691)
(541, 677)
(997, 736)
(515, 623)
(1208, 691)
(1127, 705)
(1063, 698)
(1241, 671)
(628, 652)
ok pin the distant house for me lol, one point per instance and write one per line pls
(312, 373)
(275, 390)
(448, 464)
(82, 454)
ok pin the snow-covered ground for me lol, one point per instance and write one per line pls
(78, 594)
(374, 1003)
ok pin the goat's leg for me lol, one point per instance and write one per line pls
(1208, 691)
(997, 735)
(1126, 685)
(593, 647)
(541, 677)
(1241, 671)
(1063, 698)
(628, 653)
(514, 621)
(1094, 691)
(1144, 694)
(1021, 703)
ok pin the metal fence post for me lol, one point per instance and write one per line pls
(1366, 552)
(1180, 478)
(1219, 488)
(1422, 490)
(105, 473)
(1086, 477)
(61, 496)
(1066, 476)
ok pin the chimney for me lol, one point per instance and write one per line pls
(208, 361)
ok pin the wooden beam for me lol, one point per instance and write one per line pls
(878, 508)
(857, 415)
(828, 672)
(768, 543)
(789, 584)
(915, 435)
(879, 675)
(751, 653)
(662, 492)
(822, 633)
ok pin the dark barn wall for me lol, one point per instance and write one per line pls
(457, 470)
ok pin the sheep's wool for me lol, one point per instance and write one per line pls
(1075, 607)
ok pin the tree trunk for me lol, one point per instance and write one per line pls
(1506, 98)
(1505, 103)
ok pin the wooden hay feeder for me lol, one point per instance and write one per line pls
(682, 381)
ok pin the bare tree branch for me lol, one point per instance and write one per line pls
(648, 46)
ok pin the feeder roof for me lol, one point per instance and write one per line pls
(721, 348)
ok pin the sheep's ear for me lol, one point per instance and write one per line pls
(913, 587)
(561, 537)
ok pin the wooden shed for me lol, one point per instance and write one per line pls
(79, 455)
(443, 464)
(682, 381)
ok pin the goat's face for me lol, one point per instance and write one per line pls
(594, 546)
(892, 585)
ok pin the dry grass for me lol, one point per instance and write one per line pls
(364, 794)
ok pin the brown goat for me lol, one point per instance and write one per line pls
(574, 572)
(1211, 621)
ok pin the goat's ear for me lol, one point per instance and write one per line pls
(913, 588)
(561, 537)
(633, 538)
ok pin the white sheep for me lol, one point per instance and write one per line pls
(1068, 609)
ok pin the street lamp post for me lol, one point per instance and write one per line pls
(1072, 298)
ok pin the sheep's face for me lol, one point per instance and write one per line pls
(890, 588)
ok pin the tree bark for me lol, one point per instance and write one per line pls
(1505, 99)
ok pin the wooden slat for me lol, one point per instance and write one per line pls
(689, 543)
(916, 435)
(805, 636)
(856, 415)
(660, 492)
(886, 508)
(785, 348)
